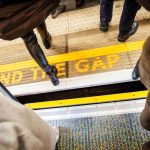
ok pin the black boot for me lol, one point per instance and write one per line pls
(123, 38)
(36, 52)
(57, 11)
(136, 73)
(45, 36)
(52, 72)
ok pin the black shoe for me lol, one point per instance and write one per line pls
(53, 75)
(57, 11)
(47, 42)
(104, 27)
(136, 73)
(123, 38)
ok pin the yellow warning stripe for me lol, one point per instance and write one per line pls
(126, 47)
(88, 100)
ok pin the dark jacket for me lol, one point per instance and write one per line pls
(18, 17)
(144, 66)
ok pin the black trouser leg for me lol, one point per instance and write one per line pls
(106, 9)
(128, 15)
(36, 52)
(45, 36)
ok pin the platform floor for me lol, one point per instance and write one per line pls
(109, 126)
(118, 132)
(77, 37)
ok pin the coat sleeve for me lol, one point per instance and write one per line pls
(26, 124)
(15, 136)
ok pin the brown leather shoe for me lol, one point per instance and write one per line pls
(123, 38)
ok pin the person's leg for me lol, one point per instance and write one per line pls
(106, 9)
(128, 26)
(45, 36)
(36, 52)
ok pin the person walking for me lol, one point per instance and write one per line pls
(127, 26)
(19, 18)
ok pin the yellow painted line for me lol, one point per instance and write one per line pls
(88, 100)
(120, 48)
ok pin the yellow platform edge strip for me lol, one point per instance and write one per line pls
(120, 48)
(88, 100)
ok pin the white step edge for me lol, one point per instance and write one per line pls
(73, 83)
(113, 108)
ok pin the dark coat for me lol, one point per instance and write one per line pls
(144, 66)
(18, 17)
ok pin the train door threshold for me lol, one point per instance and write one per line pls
(109, 126)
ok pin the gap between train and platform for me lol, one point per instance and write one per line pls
(109, 76)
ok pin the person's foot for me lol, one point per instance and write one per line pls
(123, 38)
(57, 11)
(47, 42)
(104, 27)
(146, 146)
(53, 75)
(136, 73)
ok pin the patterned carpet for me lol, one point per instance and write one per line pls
(119, 132)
